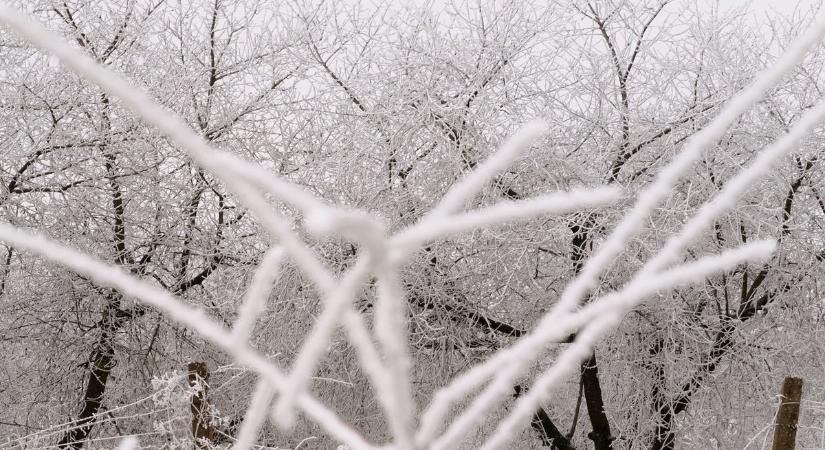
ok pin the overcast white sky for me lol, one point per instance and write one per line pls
(762, 7)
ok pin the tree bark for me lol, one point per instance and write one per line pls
(100, 365)
(601, 436)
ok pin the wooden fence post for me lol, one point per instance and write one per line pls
(203, 431)
(784, 432)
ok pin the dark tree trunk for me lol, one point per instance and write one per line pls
(601, 436)
(100, 365)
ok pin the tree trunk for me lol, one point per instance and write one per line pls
(100, 365)
(601, 435)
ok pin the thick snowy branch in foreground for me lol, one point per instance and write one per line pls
(255, 299)
(613, 305)
(632, 222)
(549, 204)
(507, 367)
(194, 319)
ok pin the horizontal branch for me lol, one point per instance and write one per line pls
(504, 212)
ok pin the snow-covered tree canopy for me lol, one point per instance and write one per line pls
(249, 224)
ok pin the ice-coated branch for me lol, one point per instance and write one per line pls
(506, 211)
(233, 171)
(193, 318)
(390, 327)
(266, 181)
(736, 187)
(608, 309)
(298, 251)
(337, 296)
(336, 301)
(356, 225)
(466, 188)
(236, 174)
(732, 191)
(380, 377)
(255, 416)
(391, 381)
(652, 195)
(254, 302)
(664, 182)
